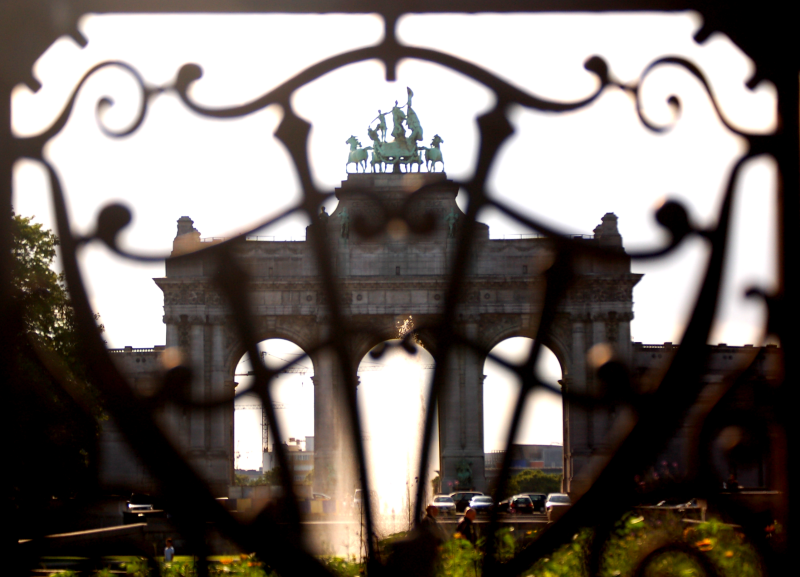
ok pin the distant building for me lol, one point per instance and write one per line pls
(251, 474)
(545, 458)
(301, 458)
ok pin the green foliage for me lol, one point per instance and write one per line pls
(243, 565)
(458, 558)
(684, 550)
(633, 538)
(341, 567)
(636, 536)
(136, 568)
(273, 476)
(627, 545)
(56, 410)
(727, 549)
(505, 545)
(178, 569)
(568, 560)
(673, 564)
(532, 481)
(247, 481)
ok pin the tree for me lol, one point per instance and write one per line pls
(533, 481)
(55, 409)
(273, 476)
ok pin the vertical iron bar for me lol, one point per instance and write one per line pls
(7, 312)
(787, 154)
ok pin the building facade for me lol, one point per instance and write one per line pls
(384, 278)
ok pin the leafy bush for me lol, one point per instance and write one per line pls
(532, 481)
(684, 548)
(567, 560)
(341, 567)
(458, 558)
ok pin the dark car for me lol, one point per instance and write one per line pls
(462, 499)
(502, 506)
(520, 505)
(539, 499)
(481, 504)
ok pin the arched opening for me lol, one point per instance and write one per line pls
(392, 402)
(538, 443)
(293, 398)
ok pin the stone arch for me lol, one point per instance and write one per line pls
(379, 330)
(293, 332)
(390, 393)
(501, 390)
(552, 340)
(297, 409)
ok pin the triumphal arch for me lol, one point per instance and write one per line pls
(387, 275)
(384, 279)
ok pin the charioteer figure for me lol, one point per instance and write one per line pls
(403, 150)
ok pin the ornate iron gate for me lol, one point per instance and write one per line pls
(764, 32)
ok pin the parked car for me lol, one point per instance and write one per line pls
(140, 502)
(462, 498)
(481, 504)
(539, 499)
(520, 505)
(502, 506)
(444, 504)
(556, 505)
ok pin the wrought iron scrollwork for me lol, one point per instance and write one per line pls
(658, 414)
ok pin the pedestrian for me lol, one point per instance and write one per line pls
(169, 552)
(466, 528)
(430, 526)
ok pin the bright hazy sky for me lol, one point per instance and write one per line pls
(567, 169)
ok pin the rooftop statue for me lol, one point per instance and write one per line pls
(358, 156)
(402, 150)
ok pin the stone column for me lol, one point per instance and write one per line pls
(219, 419)
(197, 419)
(576, 439)
(598, 416)
(334, 462)
(171, 416)
(172, 330)
(219, 388)
(566, 388)
(461, 418)
(624, 345)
